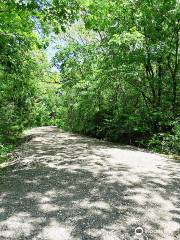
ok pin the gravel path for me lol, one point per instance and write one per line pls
(68, 187)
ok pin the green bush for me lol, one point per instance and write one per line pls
(167, 142)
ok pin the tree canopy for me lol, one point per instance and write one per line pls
(117, 69)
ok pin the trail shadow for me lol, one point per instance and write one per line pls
(69, 187)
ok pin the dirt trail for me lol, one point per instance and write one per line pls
(68, 187)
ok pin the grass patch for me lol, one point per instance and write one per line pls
(4, 150)
(8, 145)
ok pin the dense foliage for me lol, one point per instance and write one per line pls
(124, 84)
(119, 69)
(24, 28)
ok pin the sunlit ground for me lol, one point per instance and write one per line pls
(64, 187)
